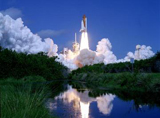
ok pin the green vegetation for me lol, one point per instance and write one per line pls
(141, 82)
(18, 65)
(24, 99)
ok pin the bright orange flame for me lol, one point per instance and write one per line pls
(84, 41)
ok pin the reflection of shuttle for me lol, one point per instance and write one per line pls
(84, 24)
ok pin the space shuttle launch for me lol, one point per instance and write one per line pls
(84, 24)
(84, 36)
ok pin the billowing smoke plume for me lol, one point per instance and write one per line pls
(89, 57)
(15, 36)
(103, 54)
(104, 48)
(141, 52)
(53, 47)
(86, 57)
(70, 63)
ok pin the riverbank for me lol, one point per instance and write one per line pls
(140, 82)
(32, 78)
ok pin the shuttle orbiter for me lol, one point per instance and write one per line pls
(84, 24)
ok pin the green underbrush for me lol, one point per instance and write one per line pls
(24, 98)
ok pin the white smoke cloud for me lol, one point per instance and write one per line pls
(98, 58)
(104, 47)
(15, 36)
(89, 57)
(86, 57)
(141, 52)
(53, 47)
(103, 54)
(70, 63)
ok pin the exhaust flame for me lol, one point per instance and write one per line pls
(84, 41)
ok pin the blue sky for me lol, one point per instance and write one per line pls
(125, 22)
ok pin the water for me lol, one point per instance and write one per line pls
(77, 103)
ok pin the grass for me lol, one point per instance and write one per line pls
(23, 98)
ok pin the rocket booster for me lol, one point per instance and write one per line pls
(84, 24)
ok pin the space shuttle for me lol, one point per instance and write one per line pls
(84, 24)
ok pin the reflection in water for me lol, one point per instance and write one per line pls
(105, 103)
(84, 109)
(81, 101)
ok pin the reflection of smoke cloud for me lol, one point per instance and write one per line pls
(84, 109)
(15, 36)
(69, 95)
(104, 103)
(84, 97)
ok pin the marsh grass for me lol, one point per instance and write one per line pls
(23, 99)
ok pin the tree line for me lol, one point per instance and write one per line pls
(18, 65)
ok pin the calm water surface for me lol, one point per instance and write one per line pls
(74, 104)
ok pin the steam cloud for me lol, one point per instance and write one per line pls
(15, 36)
(141, 52)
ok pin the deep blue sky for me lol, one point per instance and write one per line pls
(125, 22)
